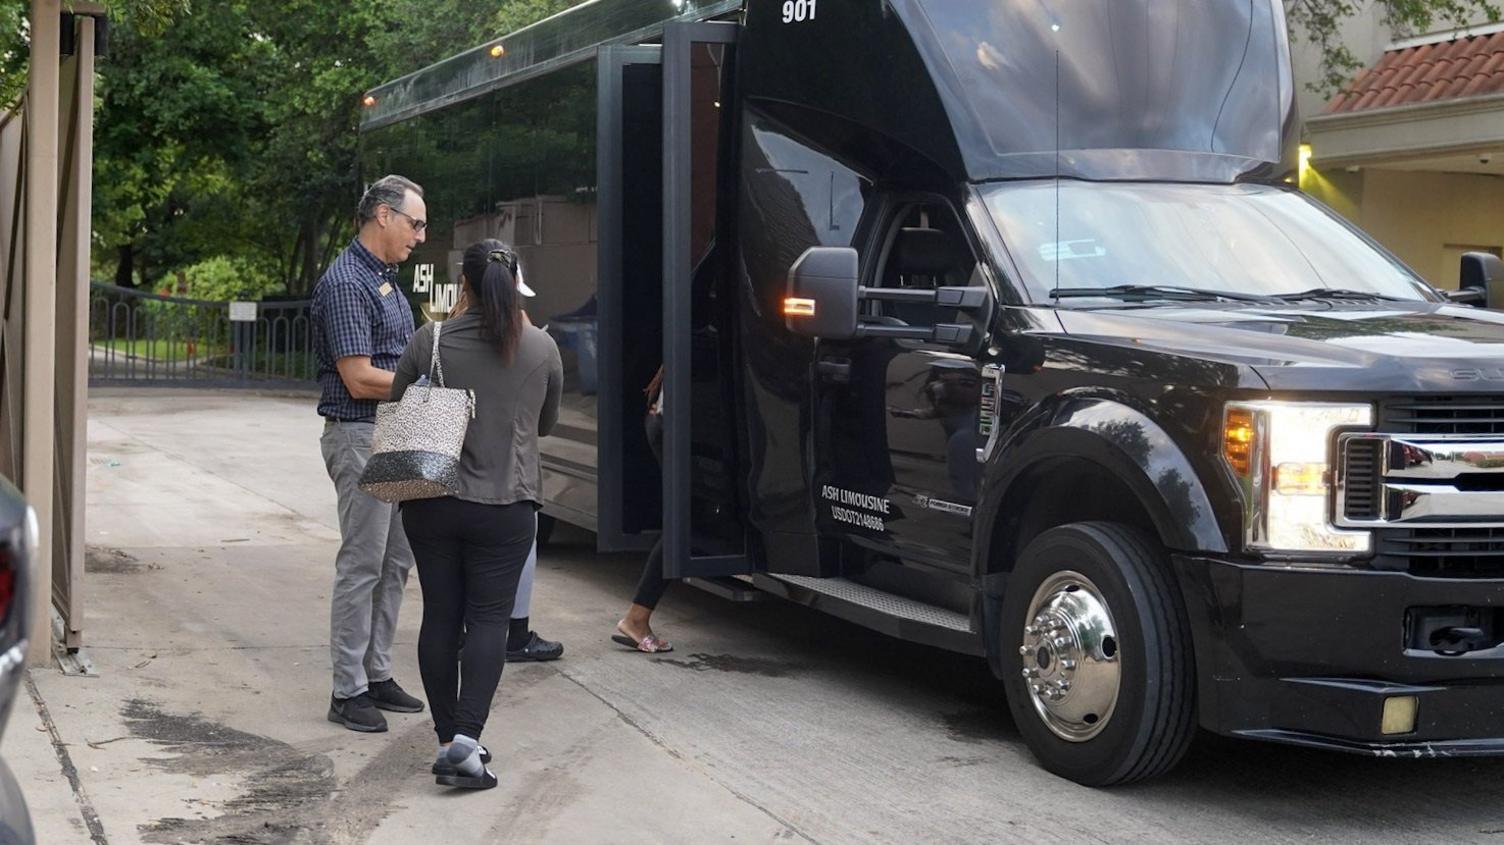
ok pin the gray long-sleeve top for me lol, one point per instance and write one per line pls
(515, 404)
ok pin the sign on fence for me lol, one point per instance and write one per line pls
(242, 312)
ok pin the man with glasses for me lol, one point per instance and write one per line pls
(361, 325)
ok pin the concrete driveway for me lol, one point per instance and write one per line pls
(213, 533)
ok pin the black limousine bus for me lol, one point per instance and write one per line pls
(998, 326)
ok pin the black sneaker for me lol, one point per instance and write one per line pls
(536, 648)
(389, 696)
(442, 766)
(357, 714)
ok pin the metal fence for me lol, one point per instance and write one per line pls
(137, 337)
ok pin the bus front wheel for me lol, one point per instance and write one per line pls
(1096, 653)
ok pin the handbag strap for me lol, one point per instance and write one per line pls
(435, 367)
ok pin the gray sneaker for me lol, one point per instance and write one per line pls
(357, 714)
(389, 696)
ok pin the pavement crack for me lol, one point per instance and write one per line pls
(70, 771)
(672, 752)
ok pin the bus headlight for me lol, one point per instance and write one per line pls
(1280, 454)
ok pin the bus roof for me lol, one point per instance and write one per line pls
(570, 36)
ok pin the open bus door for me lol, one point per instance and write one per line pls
(629, 203)
(704, 533)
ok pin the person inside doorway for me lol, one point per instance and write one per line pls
(635, 630)
(523, 643)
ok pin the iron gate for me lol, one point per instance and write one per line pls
(137, 337)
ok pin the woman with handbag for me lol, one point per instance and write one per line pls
(471, 546)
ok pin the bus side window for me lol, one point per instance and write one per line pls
(925, 250)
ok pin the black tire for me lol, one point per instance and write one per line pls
(1153, 720)
(545, 530)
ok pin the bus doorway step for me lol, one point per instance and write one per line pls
(885, 603)
(728, 588)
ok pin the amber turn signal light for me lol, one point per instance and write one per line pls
(498, 51)
(368, 101)
(795, 306)
(1237, 440)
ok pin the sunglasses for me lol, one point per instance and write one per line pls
(418, 225)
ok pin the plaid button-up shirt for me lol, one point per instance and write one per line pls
(353, 317)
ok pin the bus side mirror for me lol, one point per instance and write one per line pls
(821, 297)
(1484, 271)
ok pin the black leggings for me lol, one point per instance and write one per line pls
(470, 557)
(652, 584)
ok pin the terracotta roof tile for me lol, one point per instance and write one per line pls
(1461, 67)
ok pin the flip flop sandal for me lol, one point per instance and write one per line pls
(446, 769)
(486, 780)
(648, 645)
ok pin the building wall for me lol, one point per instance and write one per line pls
(1426, 219)
(1430, 219)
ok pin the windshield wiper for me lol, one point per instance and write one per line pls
(1334, 293)
(1159, 292)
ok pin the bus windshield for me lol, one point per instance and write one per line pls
(1241, 239)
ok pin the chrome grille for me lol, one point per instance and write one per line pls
(1445, 415)
(1445, 552)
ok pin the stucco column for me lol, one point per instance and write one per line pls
(37, 442)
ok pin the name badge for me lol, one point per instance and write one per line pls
(386, 288)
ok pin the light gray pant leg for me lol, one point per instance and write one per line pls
(364, 523)
(524, 601)
(387, 600)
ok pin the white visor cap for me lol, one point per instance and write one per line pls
(522, 287)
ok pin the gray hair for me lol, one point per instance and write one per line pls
(390, 191)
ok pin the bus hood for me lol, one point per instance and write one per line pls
(1369, 346)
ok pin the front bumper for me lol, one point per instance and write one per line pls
(1309, 656)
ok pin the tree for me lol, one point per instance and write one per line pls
(1320, 22)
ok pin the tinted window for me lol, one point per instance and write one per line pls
(925, 249)
(517, 164)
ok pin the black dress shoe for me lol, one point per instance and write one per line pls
(536, 648)
(357, 714)
(389, 696)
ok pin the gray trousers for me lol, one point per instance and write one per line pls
(370, 570)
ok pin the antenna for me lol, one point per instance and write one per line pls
(1056, 292)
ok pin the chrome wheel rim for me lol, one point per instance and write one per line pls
(1071, 664)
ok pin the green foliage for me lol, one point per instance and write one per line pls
(229, 127)
(1320, 22)
(221, 279)
(517, 14)
(151, 16)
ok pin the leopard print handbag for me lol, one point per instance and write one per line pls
(415, 450)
